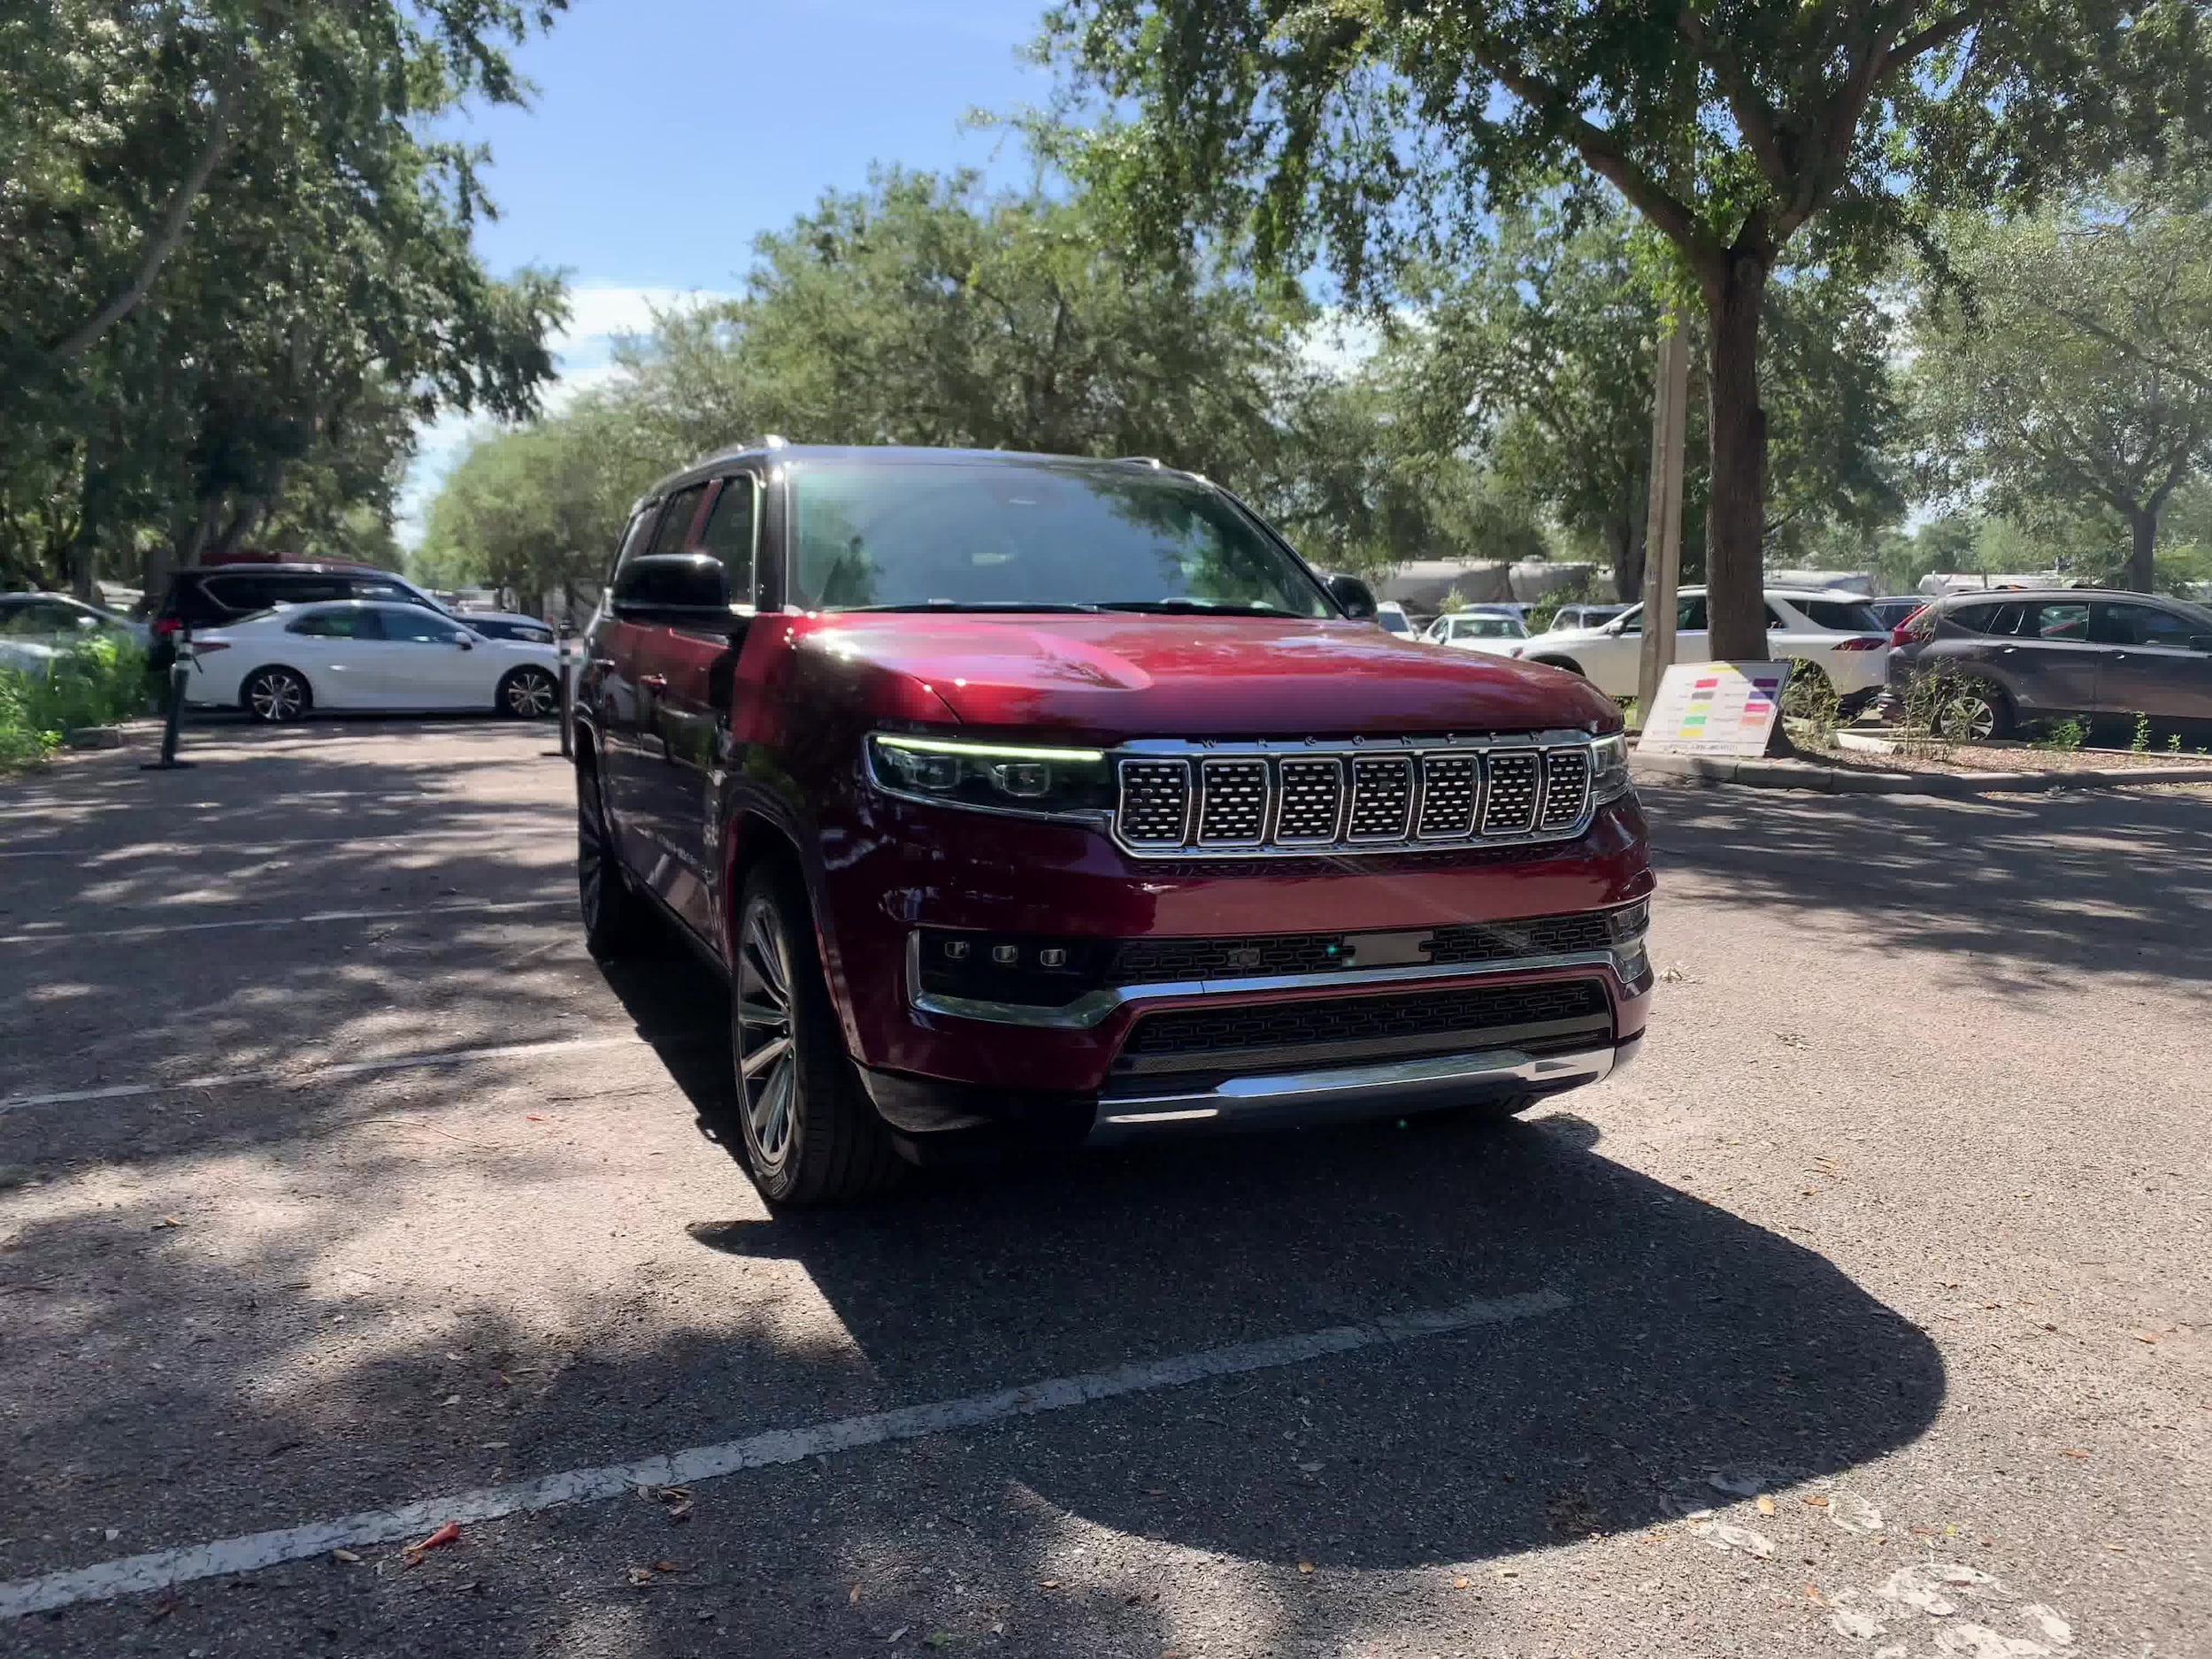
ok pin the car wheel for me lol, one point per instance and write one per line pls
(616, 919)
(1973, 713)
(276, 696)
(529, 693)
(812, 1134)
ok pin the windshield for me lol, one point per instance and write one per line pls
(1490, 629)
(1005, 535)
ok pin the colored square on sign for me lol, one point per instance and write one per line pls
(1706, 685)
(1767, 686)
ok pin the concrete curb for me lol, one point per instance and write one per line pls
(1797, 774)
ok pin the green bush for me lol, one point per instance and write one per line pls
(96, 683)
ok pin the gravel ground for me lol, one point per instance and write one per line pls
(1879, 1281)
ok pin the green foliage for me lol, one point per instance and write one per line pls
(1751, 133)
(2064, 736)
(2141, 743)
(236, 268)
(97, 683)
(2066, 379)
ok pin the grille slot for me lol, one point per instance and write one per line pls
(1449, 785)
(1154, 803)
(1290, 1033)
(1313, 795)
(1161, 961)
(1566, 782)
(1382, 797)
(1511, 807)
(1233, 803)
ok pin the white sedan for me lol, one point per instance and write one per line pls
(352, 654)
(1835, 631)
(1496, 632)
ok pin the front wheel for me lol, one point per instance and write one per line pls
(275, 696)
(812, 1134)
(529, 693)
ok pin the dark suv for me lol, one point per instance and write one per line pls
(2007, 658)
(1023, 799)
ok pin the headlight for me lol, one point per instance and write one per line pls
(1609, 768)
(1001, 776)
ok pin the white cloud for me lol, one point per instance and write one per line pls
(583, 355)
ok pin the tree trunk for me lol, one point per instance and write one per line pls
(2143, 550)
(1735, 511)
(1624, 546)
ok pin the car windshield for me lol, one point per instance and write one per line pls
(1848, 615)
(1490, 629)
(1003, 535)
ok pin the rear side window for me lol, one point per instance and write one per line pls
(1841, 615)
(729, 536)
(675, 525)
(336, 624)
(2056, 622)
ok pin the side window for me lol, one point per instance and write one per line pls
(333, 625)
(633, 539)
(1774, 619)
(416, 626)
(675, 524)
(1978, 618)
(2139, 624)
(1689, 614)
(2057, 622)
(371, 589)
(246, 593)
(1632, 619)
(729, 536)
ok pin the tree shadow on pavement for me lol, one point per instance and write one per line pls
(2029, 888)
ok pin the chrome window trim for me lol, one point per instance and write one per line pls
(1095, 1007)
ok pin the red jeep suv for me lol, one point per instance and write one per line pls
(1032, 800)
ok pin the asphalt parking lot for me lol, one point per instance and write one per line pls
(1865, 1314)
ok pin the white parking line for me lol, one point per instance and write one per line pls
(161, 1568)
(316, 1074)
(554, 819)
(469, 908)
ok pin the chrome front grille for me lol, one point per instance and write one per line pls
(1183, 799)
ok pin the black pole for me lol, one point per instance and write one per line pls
(178, 672)
(568, 699)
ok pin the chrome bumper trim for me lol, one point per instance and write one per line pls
(1390, 1086)
(1094, 1007)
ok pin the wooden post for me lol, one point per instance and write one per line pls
(1663, 525)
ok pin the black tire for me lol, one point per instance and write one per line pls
(529, 693)
(617, 918)
(812, 1134)
(276, 695)
(1974, 710)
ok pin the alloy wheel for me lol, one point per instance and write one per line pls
(530, 696)
(767, 1059)
(1968, 715)
(276, 696)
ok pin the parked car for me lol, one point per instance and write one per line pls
(354, 655)
(1893, 610)
(501, 625)
(1579, 616)
(58, 618)
(1391, 617)
(1833, 631)
(1032, 800)
(2008, 659)
(1493, 632)
(216, 596)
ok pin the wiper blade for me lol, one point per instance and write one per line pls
(1188, 608)
(970, 604)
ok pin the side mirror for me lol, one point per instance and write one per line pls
(1357, 598)
(677, 590)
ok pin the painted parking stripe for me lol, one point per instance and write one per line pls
(154, 929)
(316, 1074)
(365, 839)
(161, 1568)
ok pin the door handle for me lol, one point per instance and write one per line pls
(653, 683)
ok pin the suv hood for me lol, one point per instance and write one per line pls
(1108, 678)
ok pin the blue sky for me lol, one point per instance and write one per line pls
(666, 134)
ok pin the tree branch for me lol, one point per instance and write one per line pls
(1606, 157)
(1755, 118)
(168, 233)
